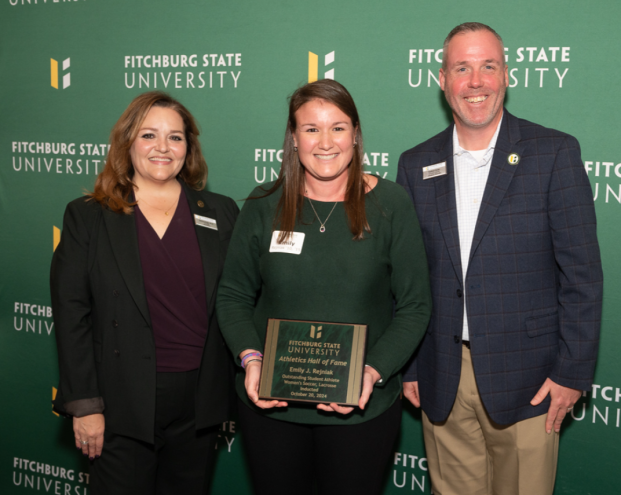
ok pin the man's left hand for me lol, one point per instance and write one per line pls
(563, 399)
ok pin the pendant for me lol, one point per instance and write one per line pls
(322, 229)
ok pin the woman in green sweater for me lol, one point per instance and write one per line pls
(357, 247)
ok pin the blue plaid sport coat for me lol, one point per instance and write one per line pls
(533, 289)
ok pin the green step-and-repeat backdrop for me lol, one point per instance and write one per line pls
(68, 68)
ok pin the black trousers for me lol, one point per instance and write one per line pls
(181, 460)
(291, 458)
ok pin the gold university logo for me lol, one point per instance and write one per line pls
(54, 392)
(315, 333)
(56, 237)
(313, 66)
(513, 159)
(54, 73)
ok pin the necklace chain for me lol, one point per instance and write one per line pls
(160, 209)
(323, 224)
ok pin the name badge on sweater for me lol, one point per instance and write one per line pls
(210, 223)
(434, 170)
(291, 245)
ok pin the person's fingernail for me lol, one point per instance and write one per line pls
(96, 457)
(79, 448)
(91, 458)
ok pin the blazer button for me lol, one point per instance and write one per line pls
(115, 323)
(115, 293)
(117, 353)
(459, 293)
(456, 339)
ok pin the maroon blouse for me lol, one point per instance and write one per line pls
(174, 282)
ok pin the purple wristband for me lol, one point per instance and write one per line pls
(248, 356)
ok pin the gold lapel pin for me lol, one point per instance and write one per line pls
(513, 159)
(200, 203)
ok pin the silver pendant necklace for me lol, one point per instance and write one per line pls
(322, 229)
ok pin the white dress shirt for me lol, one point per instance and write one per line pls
(471, 172)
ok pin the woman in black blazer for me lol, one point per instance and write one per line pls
(144, 371)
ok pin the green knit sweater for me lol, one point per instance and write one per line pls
(333, 279)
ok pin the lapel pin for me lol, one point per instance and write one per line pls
(200, 203)
(513, 159)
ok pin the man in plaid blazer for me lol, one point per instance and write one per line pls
(507, 216)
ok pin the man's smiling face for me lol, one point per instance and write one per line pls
(475, 79)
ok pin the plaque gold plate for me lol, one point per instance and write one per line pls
(311, 361)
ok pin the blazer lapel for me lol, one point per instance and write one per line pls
(446, 203)
(124, 240)
(500, 176)
(208, 242)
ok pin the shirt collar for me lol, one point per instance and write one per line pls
(459, 151)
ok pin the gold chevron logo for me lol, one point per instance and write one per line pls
(54, 73)
(315, 333)
(54, 392)
(313, 66)
(56, 237)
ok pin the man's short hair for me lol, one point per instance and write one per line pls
(470, 27)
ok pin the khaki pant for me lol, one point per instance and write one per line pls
(469, 454)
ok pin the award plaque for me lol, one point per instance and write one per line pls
(313, 361)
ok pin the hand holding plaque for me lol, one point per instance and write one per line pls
(251, 383)
(313, 362)
(369, 379)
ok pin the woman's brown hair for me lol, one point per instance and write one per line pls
(291, 176)
(114, 184)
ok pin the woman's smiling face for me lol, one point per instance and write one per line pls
(324, 136)
(158, 153)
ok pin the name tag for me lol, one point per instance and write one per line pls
(291, 245)
(210, 223)
(434, 170)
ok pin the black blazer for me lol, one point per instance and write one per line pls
(103, 327)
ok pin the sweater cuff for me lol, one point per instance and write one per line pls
(85, 407)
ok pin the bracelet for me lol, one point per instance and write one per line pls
(251, 360)
(248, 356)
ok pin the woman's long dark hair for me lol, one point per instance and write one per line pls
(291, 177)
